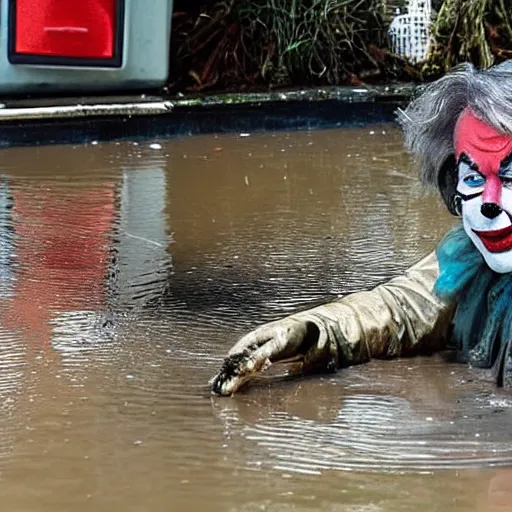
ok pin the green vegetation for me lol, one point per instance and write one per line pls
(254, 44)
(479, 31)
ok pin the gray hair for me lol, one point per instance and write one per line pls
(429, 120)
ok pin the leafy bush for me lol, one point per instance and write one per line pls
(239, 44)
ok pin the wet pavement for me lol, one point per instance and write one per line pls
(128, 269)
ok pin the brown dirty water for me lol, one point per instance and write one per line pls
(128, 269)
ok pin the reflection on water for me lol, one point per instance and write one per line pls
(127, 272)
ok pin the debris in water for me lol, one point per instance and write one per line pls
(155, 145)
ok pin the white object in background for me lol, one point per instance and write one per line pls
(410, 33)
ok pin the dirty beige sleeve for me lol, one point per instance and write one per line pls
(401, 317)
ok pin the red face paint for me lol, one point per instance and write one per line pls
(486, 147)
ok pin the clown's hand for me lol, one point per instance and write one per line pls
(290, 339)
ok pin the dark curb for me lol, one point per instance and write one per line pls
(83, 119)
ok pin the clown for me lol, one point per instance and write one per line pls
(460, 131)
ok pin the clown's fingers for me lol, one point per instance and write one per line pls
(255, 352)
(280, 338)
(236, 370)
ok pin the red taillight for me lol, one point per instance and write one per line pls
(73, 29)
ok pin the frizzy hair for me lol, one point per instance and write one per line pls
(429, 121)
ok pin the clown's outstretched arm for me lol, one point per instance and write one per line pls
(399, 318)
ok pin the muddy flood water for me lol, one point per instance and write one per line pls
(127, 270)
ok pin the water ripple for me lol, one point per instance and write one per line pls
(126, 273)
(377, 432)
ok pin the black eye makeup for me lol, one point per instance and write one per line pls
(465, 159)
(505, 172)
(470, 181)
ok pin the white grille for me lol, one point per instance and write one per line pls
(410, 33)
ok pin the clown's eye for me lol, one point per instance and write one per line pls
(474, 180)
(471, 181)
(506, 177)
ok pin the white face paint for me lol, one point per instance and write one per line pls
(490, 227)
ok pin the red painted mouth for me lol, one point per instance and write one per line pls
(498, 240)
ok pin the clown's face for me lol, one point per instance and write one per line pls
(485, 187)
